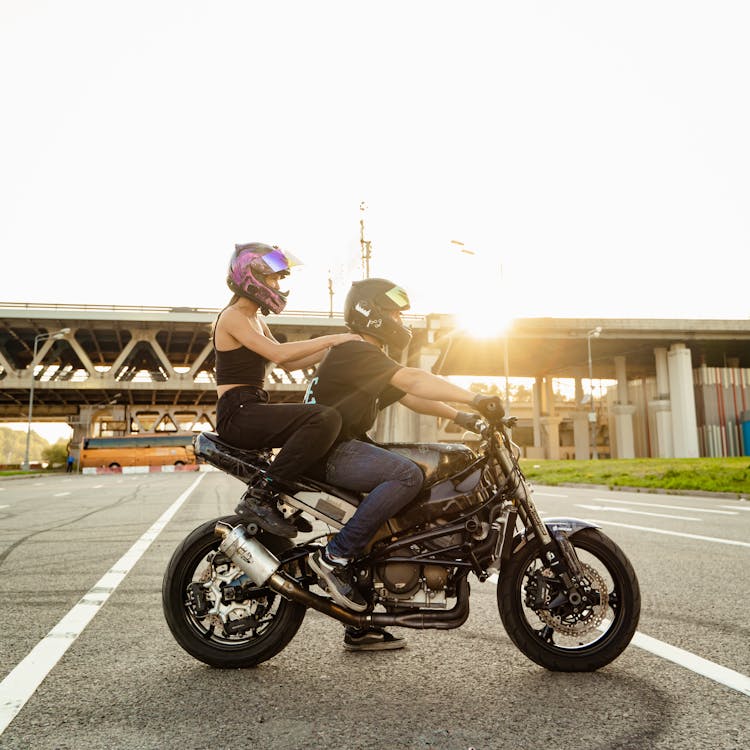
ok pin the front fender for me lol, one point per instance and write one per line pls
(569, 525)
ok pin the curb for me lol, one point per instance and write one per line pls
(167, 469)
(656, 491)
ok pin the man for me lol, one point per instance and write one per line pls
(358, 379)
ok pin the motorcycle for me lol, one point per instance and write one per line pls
(235, 595)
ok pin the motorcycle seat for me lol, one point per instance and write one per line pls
(240, 463)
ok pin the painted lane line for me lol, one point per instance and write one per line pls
(636, 512)
(4, 506)
(61, 494)
(547, 494)
(669, 507)
(739, 507)
(697, 664)
(672, 533)
(21, 683)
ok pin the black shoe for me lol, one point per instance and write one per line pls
(337, 580)
(302, 524)
(258, 506)
(372, 639)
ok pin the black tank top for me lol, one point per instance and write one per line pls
(241, 366)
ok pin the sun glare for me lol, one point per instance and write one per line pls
(483, 324)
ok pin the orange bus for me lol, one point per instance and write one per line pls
(142, 449)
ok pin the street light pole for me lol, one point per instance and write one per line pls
(39, 337)
(593, 333)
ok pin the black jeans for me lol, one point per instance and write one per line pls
(304, 432)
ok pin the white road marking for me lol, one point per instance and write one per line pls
(636, 512)
(738, 507)
(61, 494)
(669, 507)
(547, 494)
(701, 538)
(21, 683)
(697, 664)
(4, 506)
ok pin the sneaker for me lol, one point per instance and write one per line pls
(338, 581)
(258, 506)
(302, 524)
(372, 639)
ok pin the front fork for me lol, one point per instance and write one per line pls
(557, 550)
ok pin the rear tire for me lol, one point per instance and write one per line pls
(274, 620)
(560, 639)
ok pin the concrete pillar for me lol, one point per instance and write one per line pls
(549, 397)
(624, 430)
(662, 373)
(537, 450)
(660, 410)
(623, 411)
(536, 404)
(682, 396)
(397, 424)
(622, 380)
(660, 413)
(551, 427)
(581, 431)
(581, 436)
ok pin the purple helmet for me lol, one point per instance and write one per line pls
(249, 266)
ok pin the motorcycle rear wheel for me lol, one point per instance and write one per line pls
(276, 620)
(562, 640)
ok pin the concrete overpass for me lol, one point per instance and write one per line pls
(139, 367)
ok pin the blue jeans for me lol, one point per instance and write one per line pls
(391, 480)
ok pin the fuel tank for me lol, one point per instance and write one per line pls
(445, 499)
(438, 461)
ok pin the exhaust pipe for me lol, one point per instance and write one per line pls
(262, 567)
(247, 553)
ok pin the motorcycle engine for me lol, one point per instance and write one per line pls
(411, 584)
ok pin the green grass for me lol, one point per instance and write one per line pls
(697, 474)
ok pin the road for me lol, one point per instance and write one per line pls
(67, 582)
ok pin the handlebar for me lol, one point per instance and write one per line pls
(490, 407)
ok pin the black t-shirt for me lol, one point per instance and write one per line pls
(354, 379)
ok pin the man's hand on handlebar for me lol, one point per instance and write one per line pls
(468, 421)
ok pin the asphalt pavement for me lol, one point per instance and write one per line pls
(87, 660)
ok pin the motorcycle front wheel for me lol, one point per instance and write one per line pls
(216, 613)
(550, 631)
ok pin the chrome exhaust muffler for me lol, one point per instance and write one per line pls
(247, 553)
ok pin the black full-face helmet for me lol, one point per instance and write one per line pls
(366, 311)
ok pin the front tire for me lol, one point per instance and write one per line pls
(215, 612)
(564, 638)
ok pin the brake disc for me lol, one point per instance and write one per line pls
(589, 618)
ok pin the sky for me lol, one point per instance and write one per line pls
(593, 158)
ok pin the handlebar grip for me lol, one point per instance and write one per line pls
(490, 407)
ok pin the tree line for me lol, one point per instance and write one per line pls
(13, 448)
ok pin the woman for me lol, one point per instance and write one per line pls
(244, 346)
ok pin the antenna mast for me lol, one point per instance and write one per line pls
(365, 245)
(330, 294)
